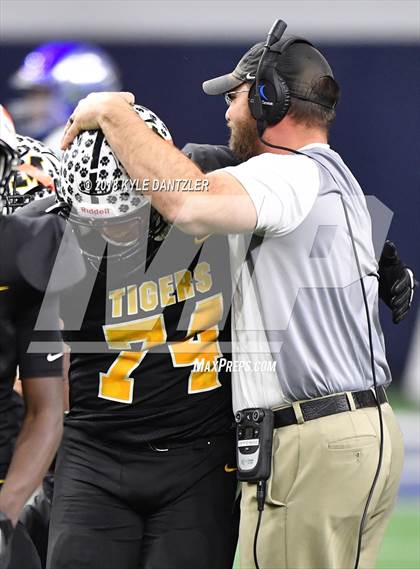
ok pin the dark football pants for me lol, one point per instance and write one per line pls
(148, 509)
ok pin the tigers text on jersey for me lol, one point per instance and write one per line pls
(132, 375)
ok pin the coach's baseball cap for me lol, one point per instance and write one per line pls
(299, 63)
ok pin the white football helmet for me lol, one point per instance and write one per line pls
(101, 198)
(36, 176)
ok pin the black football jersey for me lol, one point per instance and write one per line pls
(148, 355)
(21, 296)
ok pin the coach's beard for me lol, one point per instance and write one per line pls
(243, 139)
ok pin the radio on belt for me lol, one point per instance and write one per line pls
(254, 436)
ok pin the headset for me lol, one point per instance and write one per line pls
(269, 96)
(269, 101)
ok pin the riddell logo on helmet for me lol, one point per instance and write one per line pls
(97, 211)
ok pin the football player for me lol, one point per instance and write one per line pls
(145, 475)
(25, 455)
(51, 80)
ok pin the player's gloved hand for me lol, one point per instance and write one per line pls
(396, 282)
(6, 533)
(209, 157)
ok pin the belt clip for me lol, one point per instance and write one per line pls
(298, 412)
(350, 400)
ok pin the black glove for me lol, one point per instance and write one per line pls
(209, 157)
(396, 282)
(6, 533)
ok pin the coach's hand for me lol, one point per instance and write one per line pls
(396, 282)
(6, 533)
(88, 113)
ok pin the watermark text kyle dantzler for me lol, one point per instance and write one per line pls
(148, 184)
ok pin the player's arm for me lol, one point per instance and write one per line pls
(36, 444)
(209, 157)
(43, 395)
(221, 206)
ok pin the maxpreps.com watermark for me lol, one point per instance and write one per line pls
(222, 364)
(147, 185)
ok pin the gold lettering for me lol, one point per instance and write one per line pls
(203, 277)
(132, 299)
(184, 286)
(148, 296)
(166, 288)
(115, 296)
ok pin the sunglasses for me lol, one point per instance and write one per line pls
(231, 96)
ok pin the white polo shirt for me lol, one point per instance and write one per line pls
(302, 311)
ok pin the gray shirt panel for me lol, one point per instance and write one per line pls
(309, 294)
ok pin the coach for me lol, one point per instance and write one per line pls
(306, 298)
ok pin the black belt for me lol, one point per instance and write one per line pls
(329, 405)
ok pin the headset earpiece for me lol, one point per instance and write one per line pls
(274, 94)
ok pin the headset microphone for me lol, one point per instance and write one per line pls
(276, 32)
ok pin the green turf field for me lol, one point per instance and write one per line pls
(401, 546)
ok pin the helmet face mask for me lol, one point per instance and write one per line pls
(8, 161)
(104, 204)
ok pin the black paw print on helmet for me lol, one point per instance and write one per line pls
(111, 199)
(71, 179)
(83, 172)
(104, 161)
(135, 201)
(77, 167)
(70, 165)
(125, 196)
(123, 208)
(103, 174)
(117, 173)
(151, 118)
(78, 197)
(88, 142)
(85, 159)
(74, 154)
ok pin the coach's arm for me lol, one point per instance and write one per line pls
(223, 205)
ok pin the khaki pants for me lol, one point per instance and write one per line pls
(322, 471)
